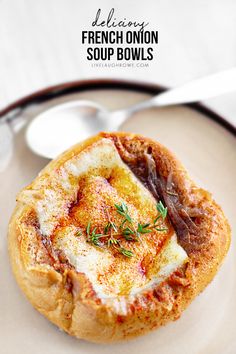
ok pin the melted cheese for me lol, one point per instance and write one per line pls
(99, 179)
(53, 199)
(95, 263)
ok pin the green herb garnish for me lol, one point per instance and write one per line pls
(143, 228)
(112, 234)
(123, 210)
(92, 236)
(161, 209)
(125, 252)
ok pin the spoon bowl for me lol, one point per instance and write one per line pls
(56, 129)
(60, 127)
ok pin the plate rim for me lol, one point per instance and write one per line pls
(50, 92)
(204, 346)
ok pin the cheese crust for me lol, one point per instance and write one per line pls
(95, 293)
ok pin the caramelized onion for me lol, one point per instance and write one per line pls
(145, 168)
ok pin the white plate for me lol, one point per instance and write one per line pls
(208, 151)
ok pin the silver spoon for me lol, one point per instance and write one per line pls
(56, 129)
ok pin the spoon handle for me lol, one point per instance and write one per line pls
(196, 90)
(199, 89)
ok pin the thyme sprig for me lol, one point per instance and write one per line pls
(112, 234)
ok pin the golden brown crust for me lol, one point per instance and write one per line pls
(65, 297)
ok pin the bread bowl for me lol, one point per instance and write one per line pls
(133, 273)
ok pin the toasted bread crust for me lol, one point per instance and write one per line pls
(65, 297)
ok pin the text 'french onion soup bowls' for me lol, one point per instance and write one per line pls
(113, 239)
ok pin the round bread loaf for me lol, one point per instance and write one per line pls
(113, 239)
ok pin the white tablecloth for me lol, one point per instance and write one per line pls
(40, 43)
